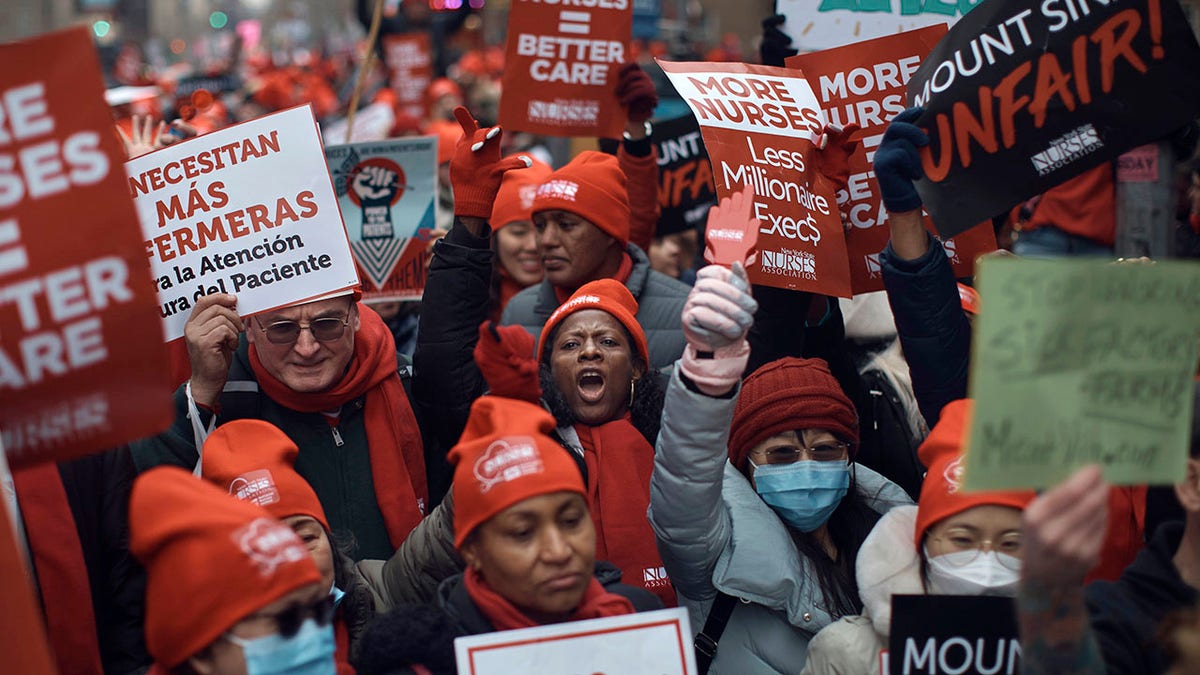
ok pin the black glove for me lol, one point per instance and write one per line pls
(776, 44)
(898, 164)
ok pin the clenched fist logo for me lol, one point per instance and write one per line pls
(376, 185)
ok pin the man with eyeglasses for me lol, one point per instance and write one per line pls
(326, 373)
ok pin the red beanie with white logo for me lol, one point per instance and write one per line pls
(592, 186)
(606, 295)
(505, 456)
(514, 201)
(210, 561)
(941, 453)
(256, 462)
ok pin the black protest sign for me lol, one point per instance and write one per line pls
(685, 182)
(953, 634)
(1020, 98)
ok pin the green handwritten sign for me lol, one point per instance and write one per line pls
(1082, 362)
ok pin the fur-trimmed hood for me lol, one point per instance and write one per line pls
(888, 565)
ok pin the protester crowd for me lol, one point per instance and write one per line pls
(573, 424)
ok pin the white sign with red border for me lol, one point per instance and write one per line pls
(248, 210)
(649, 643)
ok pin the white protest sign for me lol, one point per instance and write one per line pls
(248, 210)
(649, 643)
(824, 24)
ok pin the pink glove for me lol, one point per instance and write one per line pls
(732, 230)
(716, 317)
(476, 168)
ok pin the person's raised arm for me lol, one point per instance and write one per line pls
(1062, 534)
(635, 91)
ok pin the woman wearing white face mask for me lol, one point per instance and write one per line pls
(951, 543)
(757, 505)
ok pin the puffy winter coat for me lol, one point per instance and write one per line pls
(716, 534)
(660, 302)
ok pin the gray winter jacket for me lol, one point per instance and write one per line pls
(425, 558)
(716, 534)
(660, 302)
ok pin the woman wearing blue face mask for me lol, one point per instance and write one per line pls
(756, 502)
(951, 543)
(229, 589)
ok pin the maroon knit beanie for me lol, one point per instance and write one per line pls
(789, 395)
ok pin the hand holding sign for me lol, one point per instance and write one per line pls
(732, 231)
(635, 90)
(833, 154)
(211, 335)
(1063, 530)
(476, 168)
(898, 163)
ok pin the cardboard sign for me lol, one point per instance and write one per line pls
(561, 66)
(825, 24)
(932, 634)
(1139, 165)
(388, 195)
(247, 210)
(82, 366)
(1020, 98)
(863, 84)
(759, 125)
(685, 181)
(648, 643)
(409, 60)
(1082, 362)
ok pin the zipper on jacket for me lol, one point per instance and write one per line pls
(337, 437)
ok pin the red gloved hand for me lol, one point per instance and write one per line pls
(476, 168)
(833, 153)
(732, 230)
(504, 355)
(636, 92)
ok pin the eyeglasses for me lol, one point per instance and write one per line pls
(785, 454)
(959, 540)
(327, 329)
(290, 619)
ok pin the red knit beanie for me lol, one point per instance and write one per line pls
(941, 453)
(210, 561)
(514, 201)
(608, 295)
(447, 134)
(256, 462)
(505, 456)
(789, 395)
(592, 186)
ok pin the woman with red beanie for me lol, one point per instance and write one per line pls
(254, 461)
(522, 525)
(518, 261)
(950, 543)
(755, 494)
(230, 590)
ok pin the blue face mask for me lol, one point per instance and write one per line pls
(308, 652)
(337, 594)
(805, 493)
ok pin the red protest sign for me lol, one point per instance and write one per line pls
(82, 364)
(759, 124)
(560, 67)
(409, 59)
(863, 84)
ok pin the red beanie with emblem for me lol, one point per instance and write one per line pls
(941, 453)
(607, 295)
(505, 456)
(514, 201)
(592, 186)
(789, 395)
(210, 561)
(256, 462)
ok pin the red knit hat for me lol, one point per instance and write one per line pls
(210, 561)
(443, 86)
(789, 395)
(256, 462)
(514, 201)
(505, 456)
(941, 453)
(592, 186)
(608, 295)
(447, 134)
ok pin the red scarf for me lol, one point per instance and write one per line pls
(342, 637)
(622, 275)
(619, 464)
(501, 613)
(61, 570)
(397, 456)
(508, 288)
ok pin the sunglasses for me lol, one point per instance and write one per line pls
(327, 329)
